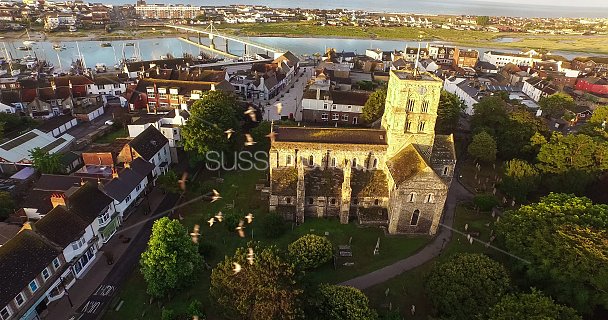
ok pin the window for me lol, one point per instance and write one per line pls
(332, 201)
(334, 106)
(174, 97)
(80, 242)
(415, 217)
(375, 163)
(376, 202)
(116, 85)
(429, 198)
(421, 126)
(412, 197)
(116, 93)
(128, 198)
(33, 286)
(446, 170)
(311, 160)
(350, 107)
(138, 187)
(5, 313)
(164, 105)
(408, 126)
(162, 95)
(288, 200)
(152, 104)
(425, 106)
(56, 263)
(311, 200)
(325, 106)
(333, 161)
(344, 117)
(101, 87)
(354, 162)
(19, 299)
(355, 120)
(45, 273)
(410, 105)
(288, 160)
(335, 117)
(324, 116)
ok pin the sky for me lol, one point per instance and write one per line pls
(566, 3)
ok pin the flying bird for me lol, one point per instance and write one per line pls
(251, 113)
(237, 267)
(279, 108)
(211, 221)
(182, 182)
(272, 135)
(195, 233)
(229, 133)
(219, 216)
(249, 217)
(250, 256)
(216, 196)
(241, 229)
(249, 139)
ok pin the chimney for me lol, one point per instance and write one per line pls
(57, 199)
(114, 173)
(318, 93)
(82, 183)
(127, 165)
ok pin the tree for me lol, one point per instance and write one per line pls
(45, 162)
(556, 104)
(520, 178)
(483, 20)
(171, 260)
(169, 182)
(334, 302)
(599, 116)
(273, 225)
(310, 251)
(561, 244)
(209, 118)
(485, 202)
(490, 114)
(374, 106)
(7, 205)
(483, 147)
(530, 306)
(448, 112)
(513, 138)
(466, 286)
(259, 135)
(263, 290)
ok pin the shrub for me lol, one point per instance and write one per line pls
(167, 314)
(195, 308)
(485, 202)
(310, 251)
(273, 225)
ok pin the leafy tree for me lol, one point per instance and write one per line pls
(466, 286)
(167, 314)
(263, 290)
(597, 126)
(334, 302)
(374, 106)
(513, 138)
(490, 113)
(195, 308)
(485, 202)
(448, 112)
(259, 135)
(530, 306)
(169, 182)
(273, 225)
(483, 147)
(45, 162)
(483, 20)
(556, 104)
(600, 114)
(520, 178)
(310, 251)
(7, 205)
(210, 116)
(561, 244)
(171, 260)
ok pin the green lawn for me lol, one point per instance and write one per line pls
(240, 197)
(113, 135)
(407, 289)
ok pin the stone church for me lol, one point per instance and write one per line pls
(396, 176)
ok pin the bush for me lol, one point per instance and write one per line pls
(273, 225)
(195, 308)
(310, 251)
(167, 314)
(485, 202)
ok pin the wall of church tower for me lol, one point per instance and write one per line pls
(410, 111)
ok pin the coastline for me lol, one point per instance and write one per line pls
(566, 43)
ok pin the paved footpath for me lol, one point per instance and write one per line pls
(457, 193)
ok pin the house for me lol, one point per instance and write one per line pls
(593, 85)
(58, 125)
(16, 152)
(128, 185)
(103, 84)
(467, 93)
(501, 59)
(59, 20)
(136, 69)
(442, 55)
(33, 272)
(89, 108)
(536, 88)
(466, 58)
(152, 146)
(339, 107)
(169, 125)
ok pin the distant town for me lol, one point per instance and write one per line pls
(390, 161)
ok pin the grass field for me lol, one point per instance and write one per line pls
(522, 41)
(407, 289)
(240, 197)
(113, 135)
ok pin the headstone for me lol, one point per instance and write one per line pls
(413, 310)
(466, 227)
(493, 190)
(504, 200)
(497, 219)
(388, 290)
(513, 203)
(471, 240)
(326, 233)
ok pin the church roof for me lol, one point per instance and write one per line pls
(443, 149)
(331, 135)
(284, 181)
(371, 183)
(326, 182)
(406, 164)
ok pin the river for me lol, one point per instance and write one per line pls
(94, 53)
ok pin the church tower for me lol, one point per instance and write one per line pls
(410, 111)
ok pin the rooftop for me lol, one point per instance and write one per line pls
(331, 135)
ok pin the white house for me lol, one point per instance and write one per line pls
(56, 126)
(128, 185)
(536, 88)
(152, 146)
(462, 88)
(107, 85)
(168, 124)
(336, 106)
(7, 108)
(501, 59)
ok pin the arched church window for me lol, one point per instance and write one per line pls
(332, 201)
(354, 162)
(311, 200)
(288, 160)
(376, 202)
(429, 198)
(375, 163)
(333, 161)
(412, 197)
(288, 200)
(415, 217)
(311, 160)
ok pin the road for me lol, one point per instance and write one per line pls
(94, 307)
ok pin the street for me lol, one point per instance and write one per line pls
(292, 98)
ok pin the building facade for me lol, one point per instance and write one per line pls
(397, 176)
